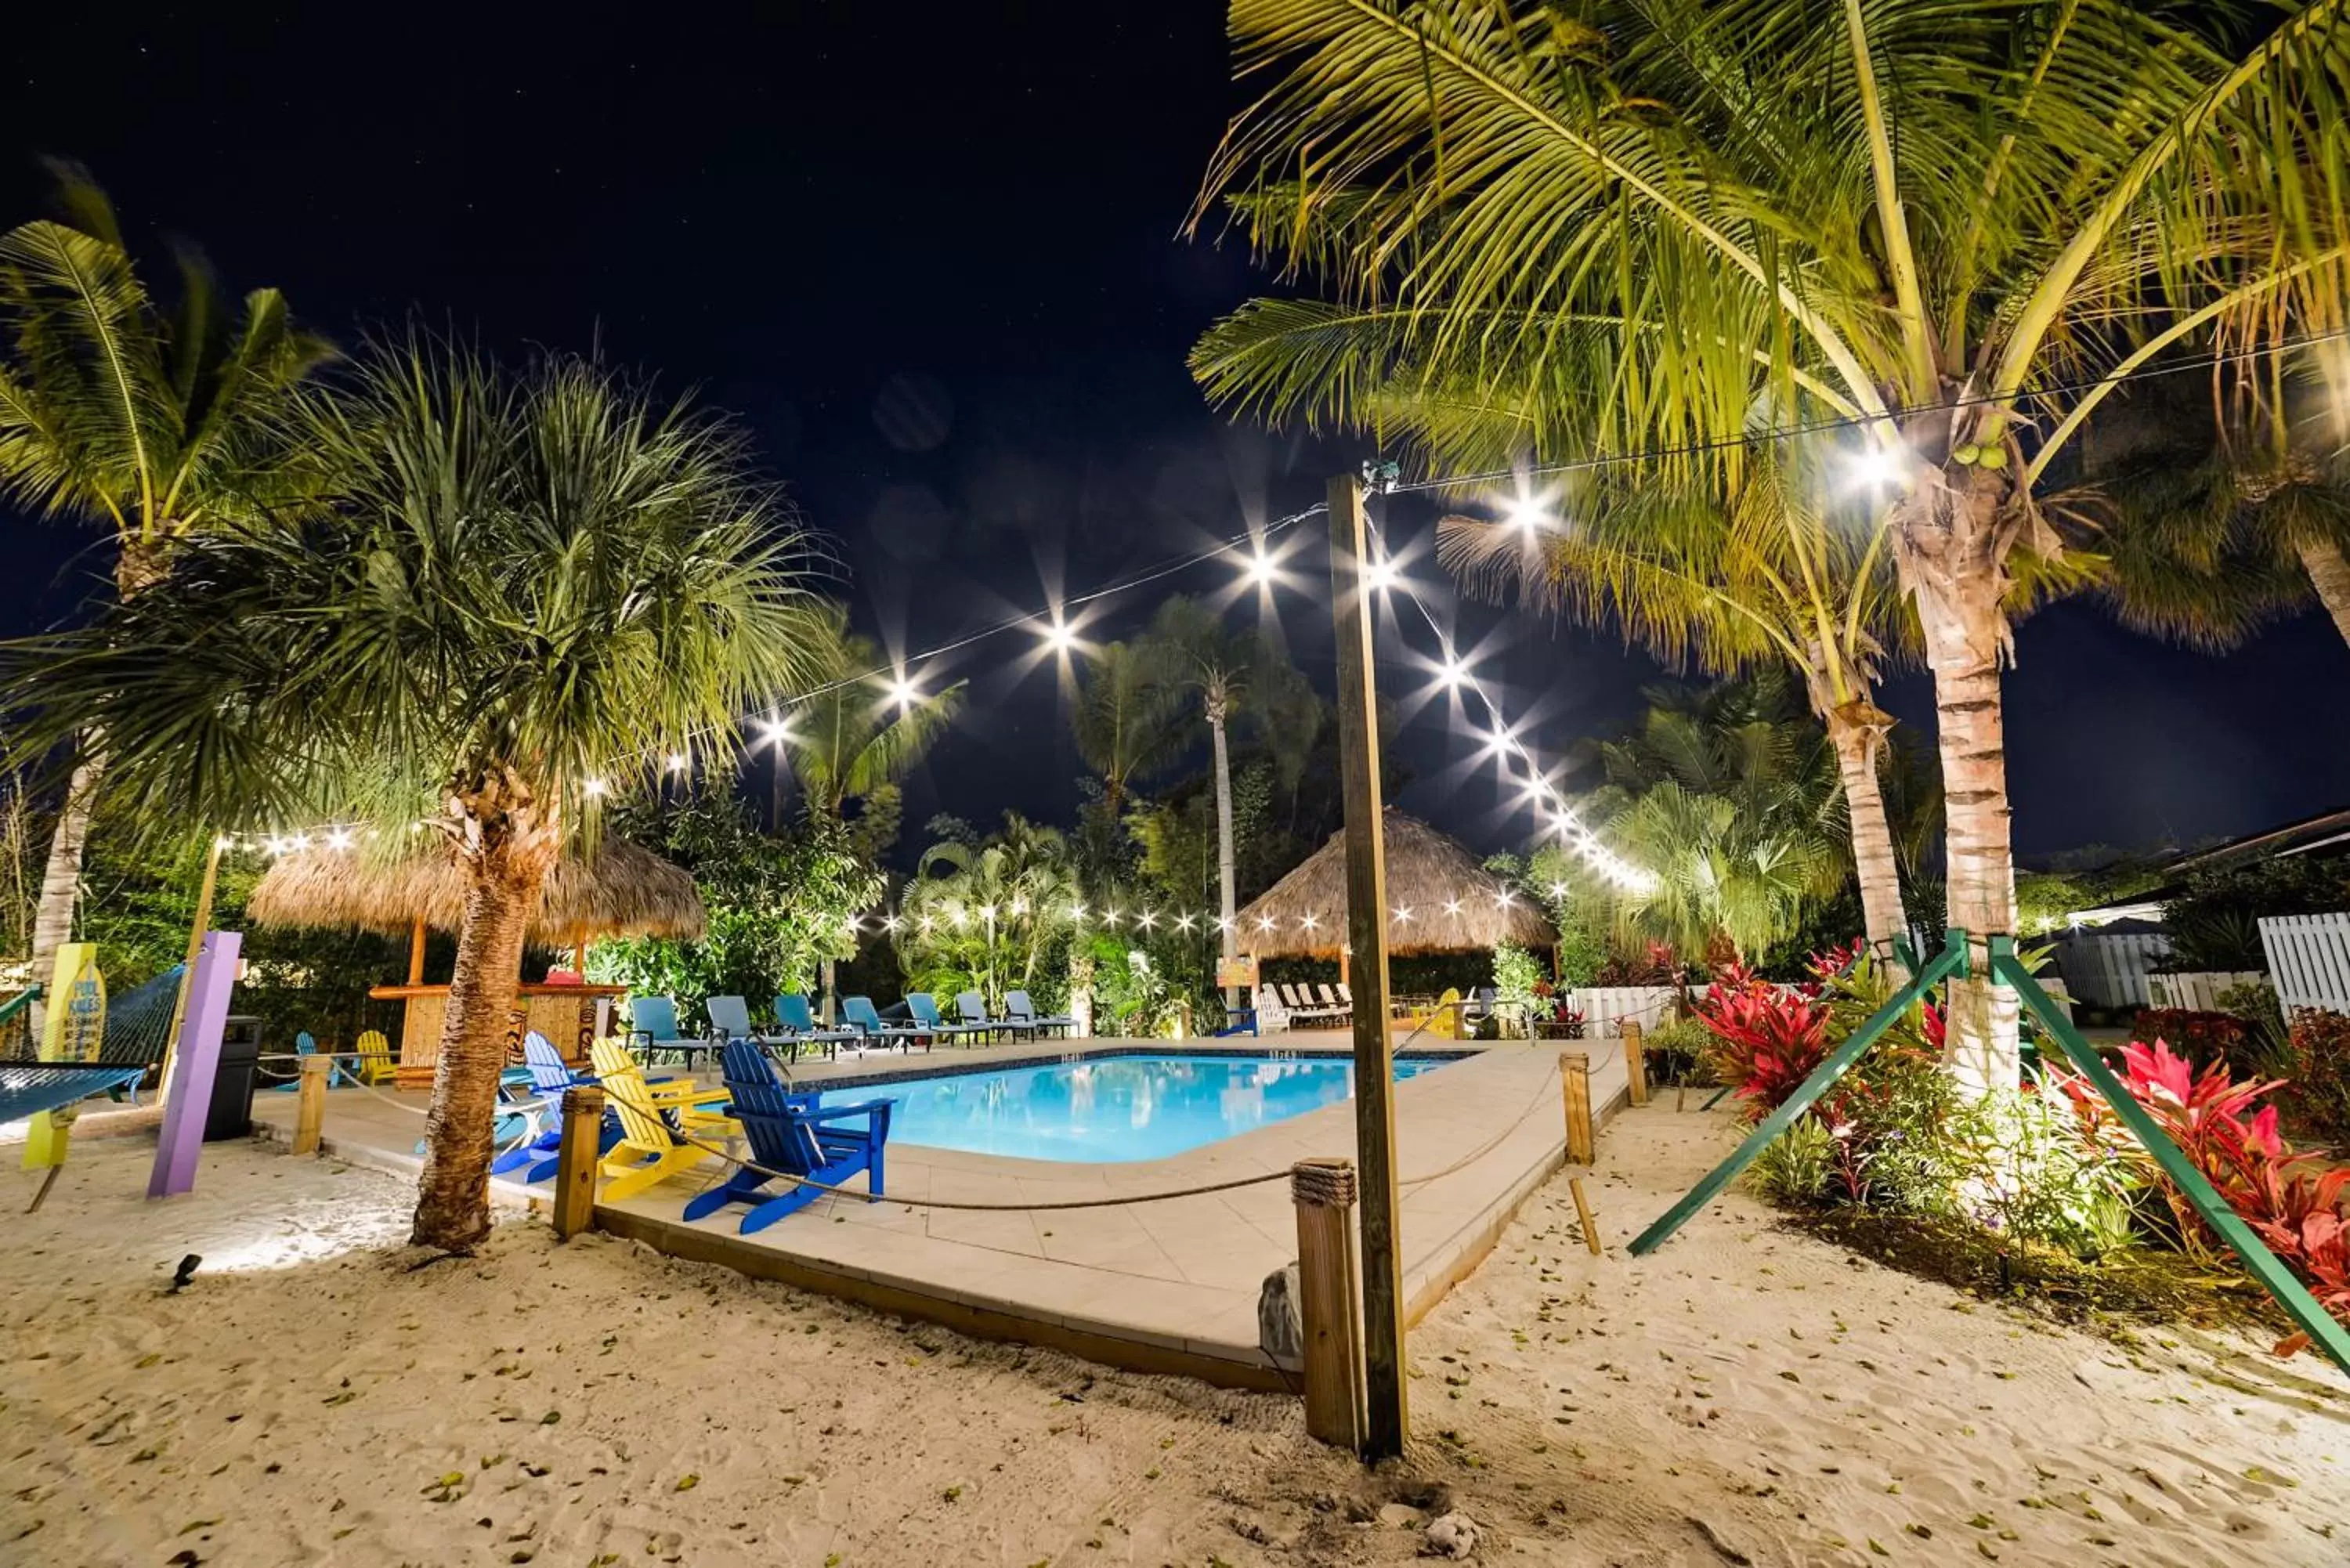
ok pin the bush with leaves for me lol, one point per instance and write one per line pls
(2268, 1040)
(2319, 1090)
(1767, 1039)
(2214, 923)
(778, 904)
(2199, 1035)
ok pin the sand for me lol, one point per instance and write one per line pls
(1747, 1396)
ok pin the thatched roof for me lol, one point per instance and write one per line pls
(621, 891)
(1455, 904)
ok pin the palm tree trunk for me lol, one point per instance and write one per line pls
(139, 567)
(1224, 880)
(61, 875)
(1856, 731)
(2330, 574)
(508, 850)
(1956, 578)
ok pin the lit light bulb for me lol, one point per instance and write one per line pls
(1877, 466)
(1403, 914)
(1076, 912)
(1310, 922)
(775, 730)
(595, 789)
(1453, 906)
(1059, 638)
(1452, 673)
(1558, 891)
(1184, 922)
(1148, 921)
(1260, 569)
(1223, 922)
(1265, 923)
(1527, 516)
(677, 761)
(338, 839)
(904, 693)
(1380, 574)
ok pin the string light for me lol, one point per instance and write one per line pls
(678, 762)
(1059, 638)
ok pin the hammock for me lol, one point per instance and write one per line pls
(29, 1089)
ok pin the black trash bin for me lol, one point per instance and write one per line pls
(230, 1114)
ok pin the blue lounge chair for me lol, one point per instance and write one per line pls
(789, 1134)
(799, 1026)
(652, 1027)
(859, 1013)
(972, 1008)
(730, 1018)
(1021, 1013)
(925, 1010)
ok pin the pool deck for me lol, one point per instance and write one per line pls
(1168, 1286)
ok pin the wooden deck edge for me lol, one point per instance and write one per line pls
(696, 1245)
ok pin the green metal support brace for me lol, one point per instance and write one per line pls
(2274, 1277)
(1952, 959)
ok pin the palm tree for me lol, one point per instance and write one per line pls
(991, 911)
(146, 419)
(1658, 226)
(521, 592)
(1126, 726)
(851, 740)
(1770, 579)
(1233, 676)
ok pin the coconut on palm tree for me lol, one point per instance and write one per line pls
(1227, 677)
(1771, 578)
(519, 592)
(150, 417)
(1950, 230)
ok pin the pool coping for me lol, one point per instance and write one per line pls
(1073, 1282)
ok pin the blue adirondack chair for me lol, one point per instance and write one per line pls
(304, 1045)
(549, 1076)
(789, 1133)
(861, 1015)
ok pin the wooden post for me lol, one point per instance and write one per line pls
(1386, 1422)
(1583, 1209)
(1325, 1190)
(197, 928)
(1575, 1086)
(1636, 1062)
(310, 1107)
(416, 952)
(575, 1159)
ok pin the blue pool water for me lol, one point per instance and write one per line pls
(1111, 1108)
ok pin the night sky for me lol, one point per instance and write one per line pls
(933, 260)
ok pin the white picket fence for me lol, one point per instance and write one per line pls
(2309, 958)
(2108, 969)
(1605, 1008)
(2198, 990)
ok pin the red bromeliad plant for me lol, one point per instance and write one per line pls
(2299, 1209)
(1767, 1040)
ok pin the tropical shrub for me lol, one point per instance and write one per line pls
(1793, 1169)
(2197, 1035)
(2319, 1091)
(1767, 1039)
(1677, 1052)
(2268, 1042)
(2214, 923)
(2023, 1164)
(1516, 972)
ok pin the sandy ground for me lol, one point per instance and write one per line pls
(1747, 1396)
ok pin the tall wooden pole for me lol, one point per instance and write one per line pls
(196, 930)
(416, 951)
(1386, 1422)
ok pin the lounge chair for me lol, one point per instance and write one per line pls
(652, 1029)
(972, 1008)
(1330, 999)
(860, 1015)
(375, 1064)
(1303, 1009)
(800, 1027)
(788, 1133)
(650, 1151)
(925, 1009)
(730, 1018)
(1021, 1013)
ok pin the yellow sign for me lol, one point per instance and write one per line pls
(1240, 971)
(74, 1030)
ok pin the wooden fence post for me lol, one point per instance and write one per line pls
(575, 1159)
(1636, 1062)
(310, 1107)
(1583, 1213)
(1328, 1307)
(1574, 1087)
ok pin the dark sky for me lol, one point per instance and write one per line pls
(931, 257)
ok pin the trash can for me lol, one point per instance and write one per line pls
(230, 1114)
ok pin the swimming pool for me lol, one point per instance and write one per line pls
(1111, 1108)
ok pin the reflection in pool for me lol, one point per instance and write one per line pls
(1112, 1108)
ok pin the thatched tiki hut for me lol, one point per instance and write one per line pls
(619, 891)
(1440, 901)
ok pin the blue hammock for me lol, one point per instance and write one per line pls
(29, 1089)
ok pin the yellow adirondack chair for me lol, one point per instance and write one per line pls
(1442, 1021)
(375, 1064)
(649, 1152)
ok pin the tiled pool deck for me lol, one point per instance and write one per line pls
(1163, 1286)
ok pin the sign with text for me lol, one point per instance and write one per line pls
(1240, 971)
